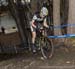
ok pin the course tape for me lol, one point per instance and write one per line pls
(66, 25)
(62, 36)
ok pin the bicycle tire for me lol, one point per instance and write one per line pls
(47, 48)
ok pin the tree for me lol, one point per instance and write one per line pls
(71, 17)
(56, 18)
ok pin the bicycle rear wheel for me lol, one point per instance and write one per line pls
(47, 48)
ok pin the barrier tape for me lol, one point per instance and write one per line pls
(66, 25)
(63, 36)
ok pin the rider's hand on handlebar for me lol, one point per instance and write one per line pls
(50, 27)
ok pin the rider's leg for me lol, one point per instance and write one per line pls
(33, 41)
(33, 37)
(33, 31)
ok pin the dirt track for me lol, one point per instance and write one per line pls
(25, 60)
(60, 60)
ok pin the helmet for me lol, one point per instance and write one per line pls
(44, 11)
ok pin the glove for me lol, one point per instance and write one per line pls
(37, 28)
(50, 27)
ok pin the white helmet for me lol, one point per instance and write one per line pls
(44, 11)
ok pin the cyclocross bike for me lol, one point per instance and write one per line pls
(44, 44)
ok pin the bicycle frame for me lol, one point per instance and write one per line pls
(41, 35)
(43, 42)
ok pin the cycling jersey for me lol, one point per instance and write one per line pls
(38, 21)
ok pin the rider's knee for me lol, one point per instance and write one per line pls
(33, 34)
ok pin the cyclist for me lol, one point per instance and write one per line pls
(38, 21)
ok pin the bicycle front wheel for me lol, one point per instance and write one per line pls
(47, 48)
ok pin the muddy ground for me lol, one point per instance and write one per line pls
(63, 58)
(26, 60)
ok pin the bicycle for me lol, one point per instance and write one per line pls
(44, 44)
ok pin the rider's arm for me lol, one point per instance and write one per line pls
(45, 23)
(33, 21)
